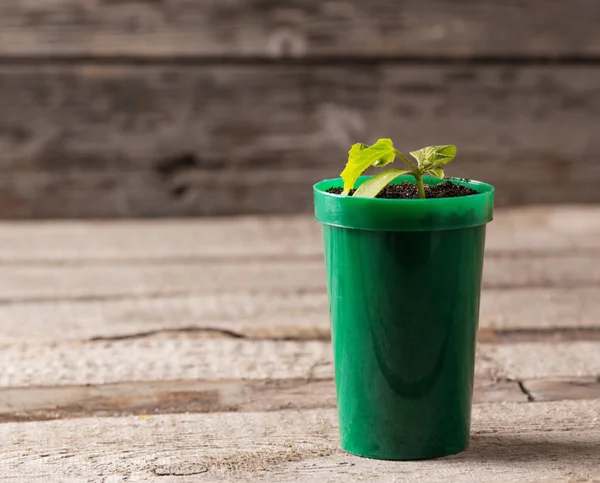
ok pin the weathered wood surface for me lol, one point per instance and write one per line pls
(148, 321)
(520, 232)
(154, 140)
(207, 396)
(549, 389)
(185, 357)
(163, 358)
(279, 300)
(555, 441)
(34, 403)
(538, 360)
(506, 315)
(307, 29)
(208, 375)
(264, 278)
(85, 282)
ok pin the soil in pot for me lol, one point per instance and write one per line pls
(406, 190)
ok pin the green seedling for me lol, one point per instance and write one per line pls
(429, 161)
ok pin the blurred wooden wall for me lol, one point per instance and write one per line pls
(213, 107)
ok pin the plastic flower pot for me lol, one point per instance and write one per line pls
(404, 282)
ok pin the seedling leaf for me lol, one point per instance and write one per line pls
(372, 187)
(434, 155)
(360, 157)
(437, 172)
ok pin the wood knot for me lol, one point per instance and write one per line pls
(286, 42)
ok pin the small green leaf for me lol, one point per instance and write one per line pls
(437, 172)
(434, 155)
(360, 157)
(372, 187)
(358, 147)
(385, 159)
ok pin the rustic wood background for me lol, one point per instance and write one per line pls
(198, 350)
(116, 108)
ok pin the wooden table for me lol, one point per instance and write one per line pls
(183, 351)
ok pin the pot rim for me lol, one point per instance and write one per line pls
(383, 214)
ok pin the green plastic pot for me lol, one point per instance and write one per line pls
(404, 282)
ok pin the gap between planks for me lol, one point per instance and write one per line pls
(484, 336)
(205, 396)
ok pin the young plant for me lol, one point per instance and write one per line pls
(429, 161)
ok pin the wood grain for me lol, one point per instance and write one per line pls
(162, 140)
(180, 356)
(182, 240)
(563, 388)
(149, 319)
(523, 232)
(542, 309)
(552, 441)
(200, 396)
(94, 282)
(307, 29)
(506, 316)
(173, 357)
(264, 277)
(164, 358)
(543, 360)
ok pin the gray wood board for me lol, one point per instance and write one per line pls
(40, 403)
(506, 316)
(198, 396)
(551, 441)
(172, 357)
(524, 232)
(89, 282)
(304, 29)
(264, 278)
(168, 357)
(93, 140)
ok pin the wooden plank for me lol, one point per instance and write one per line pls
(174, 357)
(162, 358)
(540, 308)
(542, 335)
(521, 232)
(93, 282)
(355, 28)
(198, 396)
(265, 314)
(563, 388)
(544, 229)
(568, 271)
(182, 356)
(172, 240)
(510, 442)
(543, 360)
(98, 281)
(515, 315)
(109, 140)
(160, 397)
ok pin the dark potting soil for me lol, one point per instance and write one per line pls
(407, 191)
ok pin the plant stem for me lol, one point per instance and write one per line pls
(405, 159)
(420, 186)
